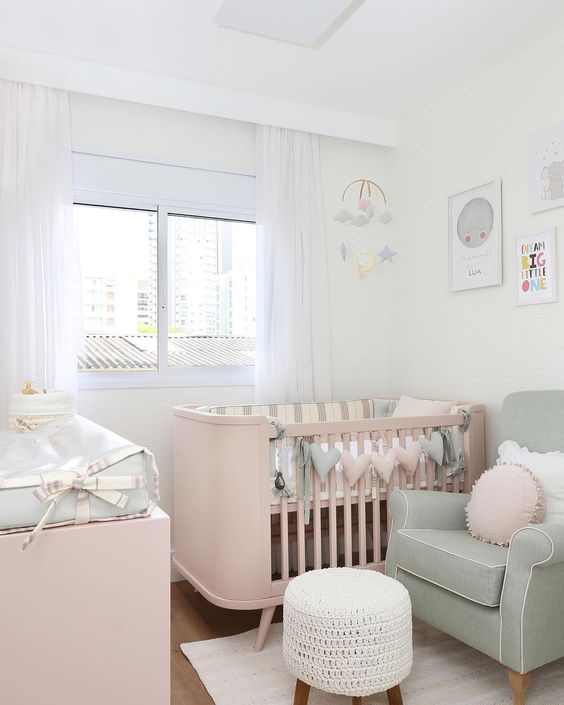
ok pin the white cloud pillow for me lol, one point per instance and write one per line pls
(409, 406)
(548, 468)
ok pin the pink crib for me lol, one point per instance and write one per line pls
(239, 545)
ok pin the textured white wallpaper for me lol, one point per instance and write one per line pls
(136, 130)
(475, 345)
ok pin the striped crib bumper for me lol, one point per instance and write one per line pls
(311, 412)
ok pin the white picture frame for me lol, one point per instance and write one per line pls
(546, 168)
(475, 237)
(536, 268)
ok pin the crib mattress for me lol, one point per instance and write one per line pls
(75, 471)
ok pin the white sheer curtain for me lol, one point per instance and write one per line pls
(293, 327)
(39, 271)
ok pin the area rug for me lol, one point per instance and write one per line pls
(445, 672)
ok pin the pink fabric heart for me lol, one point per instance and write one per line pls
(354, 468)
(409, 458)
(384, 464)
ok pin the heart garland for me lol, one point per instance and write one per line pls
(323, 460)
(354, 468)
(384, 464)
(434, 447)
(409, 458)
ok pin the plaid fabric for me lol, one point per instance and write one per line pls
(310, 412)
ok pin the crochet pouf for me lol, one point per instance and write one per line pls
(347, 631)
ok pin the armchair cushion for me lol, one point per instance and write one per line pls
(420, 509)
(455, 561)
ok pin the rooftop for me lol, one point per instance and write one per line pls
(139, 352)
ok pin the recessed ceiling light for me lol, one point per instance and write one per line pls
(308, 23)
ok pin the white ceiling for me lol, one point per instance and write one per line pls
(385, 61)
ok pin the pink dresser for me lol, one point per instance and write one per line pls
(85, 615)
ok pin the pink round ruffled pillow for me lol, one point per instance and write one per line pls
(504, 499)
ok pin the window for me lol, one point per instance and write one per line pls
(116, 252)
(168, 297)
(208, 263)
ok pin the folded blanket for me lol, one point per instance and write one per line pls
(72, 471)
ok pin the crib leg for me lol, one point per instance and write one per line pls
(265, 620)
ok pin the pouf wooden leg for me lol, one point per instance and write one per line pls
(301, 694)
(357, 700)
(394, 696)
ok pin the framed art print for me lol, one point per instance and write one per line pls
(537, 273)
(546, 168)
(474, 237)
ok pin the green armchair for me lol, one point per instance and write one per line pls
(505, 602)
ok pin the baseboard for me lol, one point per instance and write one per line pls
(175, 576)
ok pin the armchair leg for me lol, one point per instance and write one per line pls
(519, 683)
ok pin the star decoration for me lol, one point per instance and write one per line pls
(386, 254)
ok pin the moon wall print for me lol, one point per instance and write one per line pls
(475, 222)
(474, 237)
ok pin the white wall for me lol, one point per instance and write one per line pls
(358, 307)
(475, 345)
(359, 349)
(136, 130)
(145, 417)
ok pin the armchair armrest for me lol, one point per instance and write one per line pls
(536, 545)
(424, 509)
(532, 610)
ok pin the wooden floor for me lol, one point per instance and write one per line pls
(194, 619)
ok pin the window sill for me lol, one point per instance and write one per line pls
(196, 376)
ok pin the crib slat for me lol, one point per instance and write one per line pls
(361, 488)
(412, 481)
(390, 487)
(361, 522)
(316, 515)
(347, 511)
(429, 464)
(417, 474)
(285, 573)
(376, 539)
(375, 494)
(348, 525)
(333, 555)
(444, 477)
(301, 536)
(402, 473)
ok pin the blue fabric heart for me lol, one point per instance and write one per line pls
(322, 460)
(433, 446)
